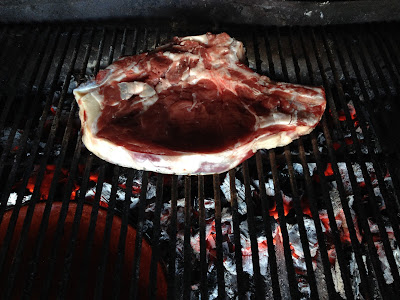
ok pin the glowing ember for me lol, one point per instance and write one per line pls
(328, 170)
(47, 182)
(228, 245)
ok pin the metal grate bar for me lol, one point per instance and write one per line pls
(125, 214)
(348, 117)
(23, 185)
(38, 178)
(379, 48)
(381, 78)
(372, 203)
(252, 233)
(15, 166)
(353, 235)
(381, 173)
(393, 63)
(28, 218)
(267, 228)
(310, 191)
(65, 141)
(70, 178)
(328, 204)
(376, 214)
(75, 229)
(359, 108)
(135, 42)
(63, 214)
(122, 236)
(314, 211)
(364, 224)
(326, 198)
(133, 292)
(99, 186)
(371, 104)
(100, 52)
(236, 235)
(91, 231)
(16, 122)
(391, 46)
(123, 42)
(155, 254)
(28, 125)
(20, 68)
(98, 292)
(325, 194)
(172, 246)
(344, 269)
(202, 234)
(56, 121)
(265, 204)
(21, 110)
(294, 292)
(375, 210)
(278, 197)
(348, 63)
(187, 250)
(302, 229)
(218, 231)
(111, 49)
(79, 208)
(296, 198)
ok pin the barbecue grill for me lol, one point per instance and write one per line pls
(318, 218)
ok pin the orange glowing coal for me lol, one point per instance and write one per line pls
(94, 177)
(273, 212)
(47, 181)
(332, 255)
(328, 170)
(353, 114)
(135, 189)
(288, 205)
(344, 229)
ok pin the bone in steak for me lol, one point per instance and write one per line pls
(191, 107)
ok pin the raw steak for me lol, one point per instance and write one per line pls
(191, 107)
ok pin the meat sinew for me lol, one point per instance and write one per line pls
(191, 107)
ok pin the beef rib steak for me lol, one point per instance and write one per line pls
(191, 107)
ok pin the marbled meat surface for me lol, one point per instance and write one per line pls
(191, 107)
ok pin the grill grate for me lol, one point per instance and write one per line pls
(42, 158)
